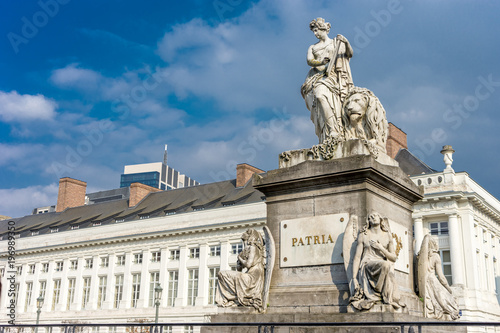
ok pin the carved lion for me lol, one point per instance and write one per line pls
(364, 118)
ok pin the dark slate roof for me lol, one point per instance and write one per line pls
(155, 204)
(410, 164)
(109, 195)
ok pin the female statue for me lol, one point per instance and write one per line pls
(244, 287)
(439, 302)
(328, 80)
(373, 266)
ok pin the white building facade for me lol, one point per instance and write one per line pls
(107, 274)
(466, 220)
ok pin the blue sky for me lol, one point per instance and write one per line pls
(87, 87)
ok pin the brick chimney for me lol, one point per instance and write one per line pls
(396, 140)
(71, 193)
(244, 172)
(138, 192)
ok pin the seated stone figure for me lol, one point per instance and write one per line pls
(373, 266)
(245, 286)
(439, 302)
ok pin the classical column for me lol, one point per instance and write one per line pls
(418, 230)
(457, 267)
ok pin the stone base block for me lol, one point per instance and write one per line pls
(335, 150)
(299, 317)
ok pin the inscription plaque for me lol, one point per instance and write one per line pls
(312, 241)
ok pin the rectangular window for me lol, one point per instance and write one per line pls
(120, 260)
(104, 261)
(487, 272)
(215, 251)
(153, 282)
(16, 293)
(446, 264)
(31, 269)
(138, 258)
(29, 292)
(212, 284)
(192, 286)
(175, 254)
(439, 228)
(188, 329)
(53, 230)
(173, 282)
(236, 248)
(35, 232)
(71, 292)
(73, 265)
(136, 289)
(89, 263)
(194, 252)
(478, 262)
(156, 256)
(45, 267)
(118, 290)
(56, 293)
(43, 286)
(59, 266)
(19, 270)
(167, 329)
(86, 292)
(101, 296)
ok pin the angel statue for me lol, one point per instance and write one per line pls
(373, 279)
(328, 80)
(439, 302)
(249, 285)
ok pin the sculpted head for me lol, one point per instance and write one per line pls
(433, 245)
(374, 219)
(364, 113)
(252, 237)
(320, 24)
(356, 107)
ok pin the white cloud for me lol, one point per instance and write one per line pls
(243, 64)
(73, 77)
(17, 108)
(21, 201)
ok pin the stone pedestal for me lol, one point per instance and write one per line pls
(316, 199)
(355, 185)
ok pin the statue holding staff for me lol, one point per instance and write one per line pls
(328, 80)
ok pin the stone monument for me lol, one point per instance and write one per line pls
(339, 212)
